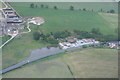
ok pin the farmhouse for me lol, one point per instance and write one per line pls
(11, 16)
(14, 20)
(113, 44)
(12, 32)
(37, 20)
(71, 40)
(10, 13)
(72, 43)
(7, 9)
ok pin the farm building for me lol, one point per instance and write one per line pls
(37, 20)
(72, 43)
(14, 20)
(113, 44)
(12, 32)
(11, 16)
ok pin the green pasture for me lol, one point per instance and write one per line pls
(86, 63)
(111, 19)
(62, 19)
(94, 63)
(96, 6)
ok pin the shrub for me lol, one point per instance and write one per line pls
(36, 36)
(84, 46)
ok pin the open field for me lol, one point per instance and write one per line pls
(86, 63)
(94, 63)
(80, 20)
(111, 19)
(96, 6)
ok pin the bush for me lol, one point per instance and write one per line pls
(62, 34)
(96, 31)
(71, 8)
(36, 36)
(84, 46)
(112, 11)
(52, 40)
(32, 5)
(55, 7)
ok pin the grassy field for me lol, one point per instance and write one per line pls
(62, 19)
(94, 63)
(87, 63)
(96, 6)
(111, 19)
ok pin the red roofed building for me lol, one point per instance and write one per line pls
(71, 40)
(37, 20)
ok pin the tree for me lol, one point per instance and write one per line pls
(52, 40)
(101, 10)
(48, 35)
(84, 9)
(43, 37)
(112, 11)
(46, 6)
(36, 36)
(55, 7)
(71, 8)
(108, 11)
(36, 6)
(57, 35)
(96, 31)
(77, 32)
(42, 6)
(51, 33)
(84, 46)
(32, 5)
(111, 38)
(92, 10)
(82, 34)
(86, 34)
(62, 34)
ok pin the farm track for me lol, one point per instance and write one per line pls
(28, 27)
(7, 41)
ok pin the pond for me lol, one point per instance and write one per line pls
(44, 52)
